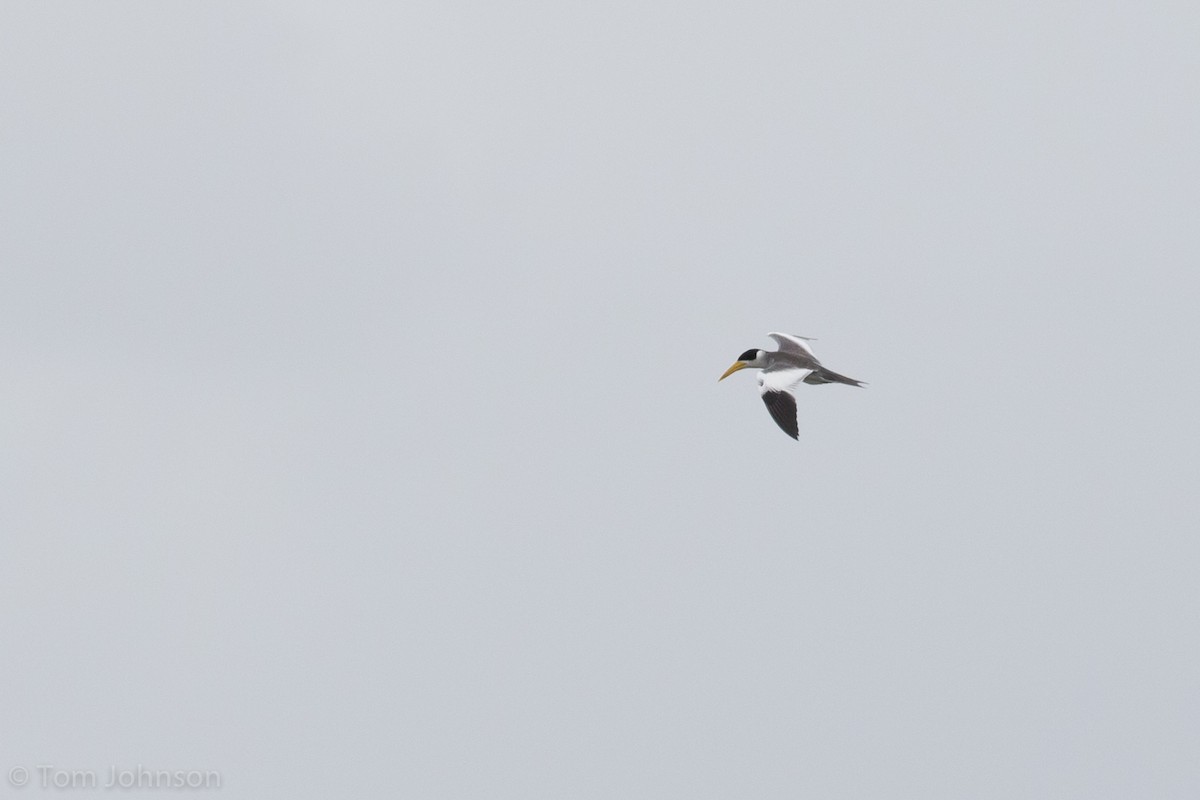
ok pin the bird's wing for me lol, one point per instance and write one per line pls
(794, 345)
(781, 378)
(783, 410)
(776, 385)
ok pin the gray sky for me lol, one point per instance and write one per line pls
(362, 434)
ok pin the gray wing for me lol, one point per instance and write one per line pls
(796, 350)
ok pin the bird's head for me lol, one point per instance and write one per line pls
(750, 358)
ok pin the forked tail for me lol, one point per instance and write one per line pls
(822, 375)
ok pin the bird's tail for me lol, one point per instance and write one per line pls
(822, 375)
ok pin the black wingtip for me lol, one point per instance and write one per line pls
(783, 410)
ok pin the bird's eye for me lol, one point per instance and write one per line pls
(749, 355)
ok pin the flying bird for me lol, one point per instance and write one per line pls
(782, 371)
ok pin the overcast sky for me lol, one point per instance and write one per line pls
(362, 435)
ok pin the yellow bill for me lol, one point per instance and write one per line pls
(736, 366)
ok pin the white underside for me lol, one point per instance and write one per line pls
(781, 380)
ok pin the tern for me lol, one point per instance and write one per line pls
(782, 371)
